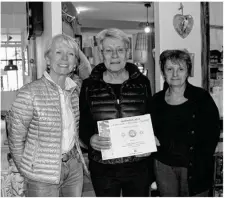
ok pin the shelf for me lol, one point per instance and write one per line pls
(220, 154)
(218, 185)
(216, 64)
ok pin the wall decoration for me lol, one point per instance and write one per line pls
(183, 24)
(69, 14)
(130, 57)
(78, 39)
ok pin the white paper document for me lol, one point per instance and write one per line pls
(129, 136)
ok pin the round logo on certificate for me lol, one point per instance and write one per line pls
(132, 133)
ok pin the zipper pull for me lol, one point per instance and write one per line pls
(118, 101)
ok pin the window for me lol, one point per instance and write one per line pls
(11, 49)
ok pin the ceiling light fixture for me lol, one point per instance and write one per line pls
(10, 66)
(147, 26)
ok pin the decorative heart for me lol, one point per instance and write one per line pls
(183, 24)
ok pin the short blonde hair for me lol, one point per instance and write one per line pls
(112, 33)
(69, 41)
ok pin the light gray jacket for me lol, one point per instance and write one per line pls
(35, 130)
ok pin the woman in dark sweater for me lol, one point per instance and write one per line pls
(186, 122)
(115, 89)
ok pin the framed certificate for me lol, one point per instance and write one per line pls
(129, 136)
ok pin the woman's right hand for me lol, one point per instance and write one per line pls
(98, 142)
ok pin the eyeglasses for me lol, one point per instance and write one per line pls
(119, 51)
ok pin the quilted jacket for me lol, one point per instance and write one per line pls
(35, 130)
(98, 102)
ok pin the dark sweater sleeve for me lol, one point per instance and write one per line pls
(210, 124)
(86, 125)
(207, 139)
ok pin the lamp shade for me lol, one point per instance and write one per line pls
(10, 66)
(141, 48)
(141, 42)
(88, 52)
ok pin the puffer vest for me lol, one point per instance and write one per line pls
(134, 99)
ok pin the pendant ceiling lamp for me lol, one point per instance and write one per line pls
(147, 26)
(10, 66)
(141, 48)
(12, 76)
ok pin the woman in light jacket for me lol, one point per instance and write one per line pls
(43, 135)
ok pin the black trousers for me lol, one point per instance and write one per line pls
(128, 179)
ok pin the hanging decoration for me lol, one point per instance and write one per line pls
(183, 24)
(69, 14)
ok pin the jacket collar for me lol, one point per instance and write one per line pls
(70, 85)
(97, 72)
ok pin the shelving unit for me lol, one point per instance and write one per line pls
(215, 69)
(218, 175)
(216, 90)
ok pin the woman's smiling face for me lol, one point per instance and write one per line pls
(114, 54)
(62, 58)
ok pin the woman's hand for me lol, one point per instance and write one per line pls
(98, 142)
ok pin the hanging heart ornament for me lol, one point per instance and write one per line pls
(183, 24)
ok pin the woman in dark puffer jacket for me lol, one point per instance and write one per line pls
(115, 89)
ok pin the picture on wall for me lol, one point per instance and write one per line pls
(78, 39)
(130, 57)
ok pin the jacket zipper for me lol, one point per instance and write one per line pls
(118, 100)
(118, 107)
(60, 164)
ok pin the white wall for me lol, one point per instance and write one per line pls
(216, 13)
(168, 38)
(216, 19)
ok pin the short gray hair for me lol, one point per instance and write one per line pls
(68, 40)
(112, 33)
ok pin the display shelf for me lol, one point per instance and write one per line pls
(218, 175)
